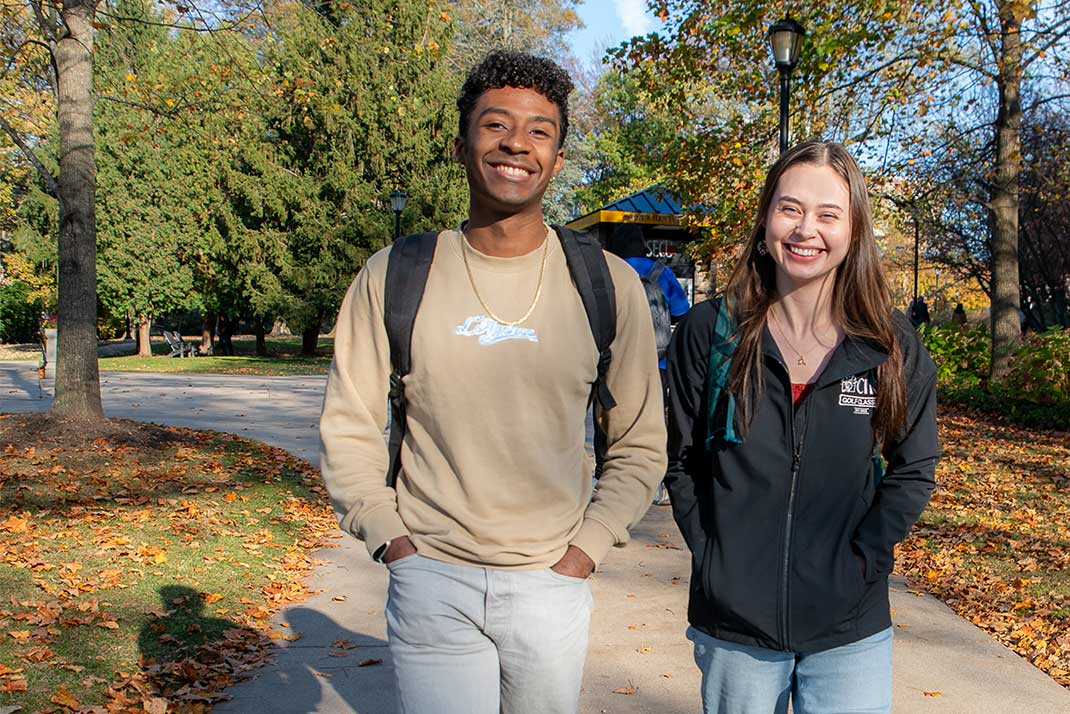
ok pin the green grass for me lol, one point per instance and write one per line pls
(135, 554)
(284, 359)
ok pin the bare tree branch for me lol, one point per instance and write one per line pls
(1045, 100)
(866, 75)
(986, 31)
(233, 25)
(169, 113)
(1041, 50)
(49, 179)
(47, 28)
(15, 53)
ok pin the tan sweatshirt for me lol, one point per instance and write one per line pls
(494, 470)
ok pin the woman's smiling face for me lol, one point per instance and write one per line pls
(808, 224)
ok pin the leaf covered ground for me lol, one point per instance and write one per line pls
(994, 544)
(140, 565)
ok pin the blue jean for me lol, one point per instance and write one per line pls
(470, 640)
(741, 679)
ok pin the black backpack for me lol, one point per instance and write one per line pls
(406, 278)
(659, 308)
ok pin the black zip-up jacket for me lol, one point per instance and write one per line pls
(791, 540)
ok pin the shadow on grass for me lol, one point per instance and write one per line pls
(188, 656)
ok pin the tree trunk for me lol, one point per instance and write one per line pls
(207, 333)
(144, 339)
(310, 338)
(1006, 299)
(261, 338)
(77, 375)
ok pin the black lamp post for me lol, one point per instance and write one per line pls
(785, 38)
(915, 216)
(397, 202)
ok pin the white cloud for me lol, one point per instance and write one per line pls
(633, 17)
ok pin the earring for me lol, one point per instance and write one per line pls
(762, 248)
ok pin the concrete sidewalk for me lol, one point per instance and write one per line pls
(637, 635)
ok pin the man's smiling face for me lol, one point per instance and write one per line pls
(510, 149)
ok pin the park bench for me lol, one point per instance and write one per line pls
(179, 347)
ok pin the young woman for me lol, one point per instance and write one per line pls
(776, 484)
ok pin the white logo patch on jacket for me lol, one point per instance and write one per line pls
(491, 332)
(858, 393)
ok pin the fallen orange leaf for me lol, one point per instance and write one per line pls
(155, 705)
(14, 524)
(64, 698)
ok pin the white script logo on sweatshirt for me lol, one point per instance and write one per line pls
(491, 332)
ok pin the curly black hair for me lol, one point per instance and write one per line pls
(503, 68)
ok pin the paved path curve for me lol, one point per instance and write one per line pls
(640, 593)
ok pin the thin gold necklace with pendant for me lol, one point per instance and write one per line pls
(538, 288)
(801, 355)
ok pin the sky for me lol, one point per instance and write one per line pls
(608, 23)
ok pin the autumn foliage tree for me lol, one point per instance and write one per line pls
(899, 82)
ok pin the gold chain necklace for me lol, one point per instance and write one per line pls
(538, 288)
(801, 355)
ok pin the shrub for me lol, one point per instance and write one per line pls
(1009, 407)
(18, 318)
(962, 354)
(1040, 370)
(1036, 393)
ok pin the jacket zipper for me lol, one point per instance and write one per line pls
(796, 458)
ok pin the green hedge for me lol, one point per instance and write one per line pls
(18, 318)
(962, 354)
(1036, 393)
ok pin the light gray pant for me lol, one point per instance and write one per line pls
(469, 640)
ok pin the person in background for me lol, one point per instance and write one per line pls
(776, 483)
(919, 312)
(667, 300)
(227, 328)
(958, 315)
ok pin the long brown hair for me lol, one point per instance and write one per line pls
(861, 301)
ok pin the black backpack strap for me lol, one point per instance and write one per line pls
(406, 276)
(590, 272)
(655, 273)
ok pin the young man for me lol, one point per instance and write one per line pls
(491, 529)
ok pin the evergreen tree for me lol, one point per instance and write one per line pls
(362, 104)
(143, 212)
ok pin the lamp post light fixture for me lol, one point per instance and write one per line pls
(785, 39)
(397, 202)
